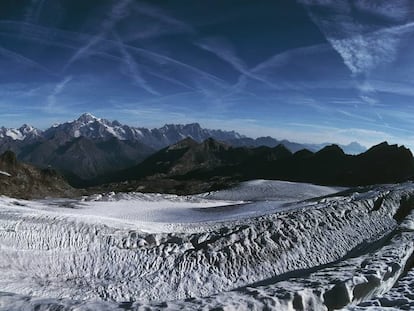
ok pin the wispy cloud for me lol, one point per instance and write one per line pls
(223, 50)
(364, 53)
(363, 46)
(118, 12)
(305, 132)
(355, 116)
(161, 23)
(57, 90)
(164, 67)
(21, 59)
(133, 67)
(157, 13)
(396, 10)
(402, 88)
(368, 47)
(271, 72)
(369, 100)
(34, 10)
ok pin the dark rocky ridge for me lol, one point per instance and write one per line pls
(21, 180)
(190, 167)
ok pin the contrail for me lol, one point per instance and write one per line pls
(133, 67)
(39, 10)
(59, 87)
(23, 59)
(117, 13)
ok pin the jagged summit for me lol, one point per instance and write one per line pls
(87, 118)
(168, 126)
(92, 127)
(26, 128)
(331, 150)
(25, 132)
(385, 146)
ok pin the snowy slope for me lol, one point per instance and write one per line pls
(25, 132)
(102, 251)
(275, 190)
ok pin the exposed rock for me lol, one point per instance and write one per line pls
(21, 180)
(204, 166)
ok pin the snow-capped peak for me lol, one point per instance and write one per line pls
(87, 118)
(91, 127)
(22, 133)
(27, 129)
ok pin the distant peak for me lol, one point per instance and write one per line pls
(116, 123)
(384, 146)
(175, 126)
(87, 118)
(331, 149)
(25, 129)
(197, 125)
(26, 126)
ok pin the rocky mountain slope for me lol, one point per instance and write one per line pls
(188, 167)
(20, 180)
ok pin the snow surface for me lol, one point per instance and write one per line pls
(273, 190)
(4, 173)
(21, 133)
(14, 134)
(166, 212)
(117, 252)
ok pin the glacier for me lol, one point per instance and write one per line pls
(261, 245)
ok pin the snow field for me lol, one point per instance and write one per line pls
(348, 249)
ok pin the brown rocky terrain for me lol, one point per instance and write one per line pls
(20, 180)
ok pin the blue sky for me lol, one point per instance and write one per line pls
(306, 70)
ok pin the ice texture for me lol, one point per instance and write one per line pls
(273, 190)
(109, 252)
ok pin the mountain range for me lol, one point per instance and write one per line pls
(192, 167)
(88, 147)
(93, 128)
